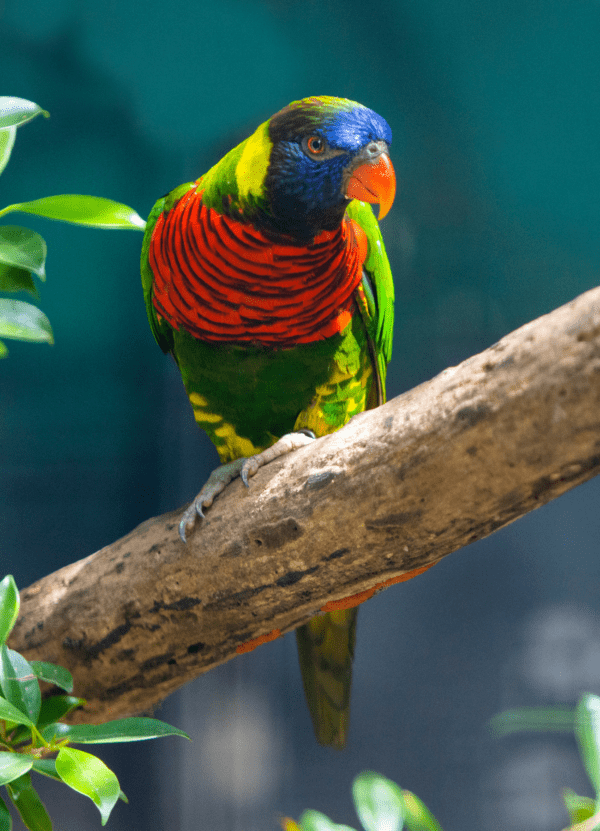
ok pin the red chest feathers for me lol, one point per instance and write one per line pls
(223, 280)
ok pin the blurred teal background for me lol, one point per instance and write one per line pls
(495, 110)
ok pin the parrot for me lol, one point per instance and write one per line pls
(268, 282)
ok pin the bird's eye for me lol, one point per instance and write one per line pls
(316, 145)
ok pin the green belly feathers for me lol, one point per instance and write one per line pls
(246, 398)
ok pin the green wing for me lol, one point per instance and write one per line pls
(378, 309)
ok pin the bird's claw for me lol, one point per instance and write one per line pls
(249, 468)
(303, 431)
(183, 525)
(244, 468)
(284, 445)
(215, 484)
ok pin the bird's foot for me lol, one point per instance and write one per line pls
(223, 475)
(287, 443)
(214, 485)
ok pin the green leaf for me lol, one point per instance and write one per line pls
(3, 350)
(17, 111)
(13, 765)
(22, 321)
(316, 821)
(53, 674)
(5, 820)
(29, 805)
(95, 211)
(9, 605)
(378, 802)
(532, 718)
(121, 730)
(417, 816)
(580, 808)
(7, 142)
(23, 248)
(16, 279)
(19, 684)
(587, 732)
(56, 707)
(89, 775)
(8, 712)
(47, 767)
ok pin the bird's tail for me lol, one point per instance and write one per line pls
(326, 650)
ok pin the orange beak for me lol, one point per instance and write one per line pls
(374, 182)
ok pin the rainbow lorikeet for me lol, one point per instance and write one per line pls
(268, 282)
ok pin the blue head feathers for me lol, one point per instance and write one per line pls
(316, 143)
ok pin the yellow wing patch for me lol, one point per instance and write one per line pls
(233, 446)
(201, 413)
(229, 445)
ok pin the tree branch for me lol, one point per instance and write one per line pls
(398, 488)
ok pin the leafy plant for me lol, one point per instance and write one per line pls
(381, 805)
(32, 737)
(23, 251)
(584, 813)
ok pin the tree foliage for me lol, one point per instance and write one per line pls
(23, 251)
(34, 739)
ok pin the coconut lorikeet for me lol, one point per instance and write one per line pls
(268, 282)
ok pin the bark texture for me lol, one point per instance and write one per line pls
(398, 488)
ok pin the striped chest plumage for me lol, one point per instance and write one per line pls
(224, 281)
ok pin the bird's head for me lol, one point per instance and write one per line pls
(299, 170)
(326, 151)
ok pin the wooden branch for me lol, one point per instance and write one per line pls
(398, 488)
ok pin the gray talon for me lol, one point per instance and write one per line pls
(306, 432)
(244, 476)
